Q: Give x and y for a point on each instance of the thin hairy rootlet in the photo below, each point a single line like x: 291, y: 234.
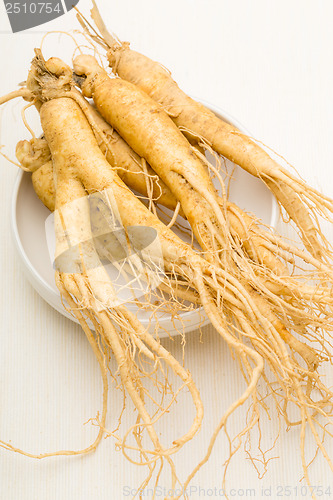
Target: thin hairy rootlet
x: 247, y: 325
x: 302, y: 202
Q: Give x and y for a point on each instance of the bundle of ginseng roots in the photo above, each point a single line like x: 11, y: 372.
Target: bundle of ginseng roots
x: 106, y: 138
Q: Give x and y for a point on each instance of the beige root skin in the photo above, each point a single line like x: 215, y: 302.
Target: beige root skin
x: 224, y: 139
x: 128, y: 167
x: 81, y: 294
x: 151, y: 133
x: 33, y: 154
x: 43, y: 184
x: 100, y: 356
x: 128, y: 164
x: 301, y: 202
x: 35, y: 157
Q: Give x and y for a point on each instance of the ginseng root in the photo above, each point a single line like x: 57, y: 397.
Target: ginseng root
x: 258, y: 338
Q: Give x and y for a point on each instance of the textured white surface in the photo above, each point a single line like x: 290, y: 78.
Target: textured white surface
x: 268, y: 63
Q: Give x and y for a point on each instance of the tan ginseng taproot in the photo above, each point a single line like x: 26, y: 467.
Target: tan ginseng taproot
x: 302, y: 202
x: 238, y: 317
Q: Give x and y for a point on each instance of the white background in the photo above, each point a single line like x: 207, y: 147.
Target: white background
x: 268, y: 63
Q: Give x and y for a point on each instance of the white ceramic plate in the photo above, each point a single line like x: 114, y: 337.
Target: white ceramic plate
x: 28, y: 225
